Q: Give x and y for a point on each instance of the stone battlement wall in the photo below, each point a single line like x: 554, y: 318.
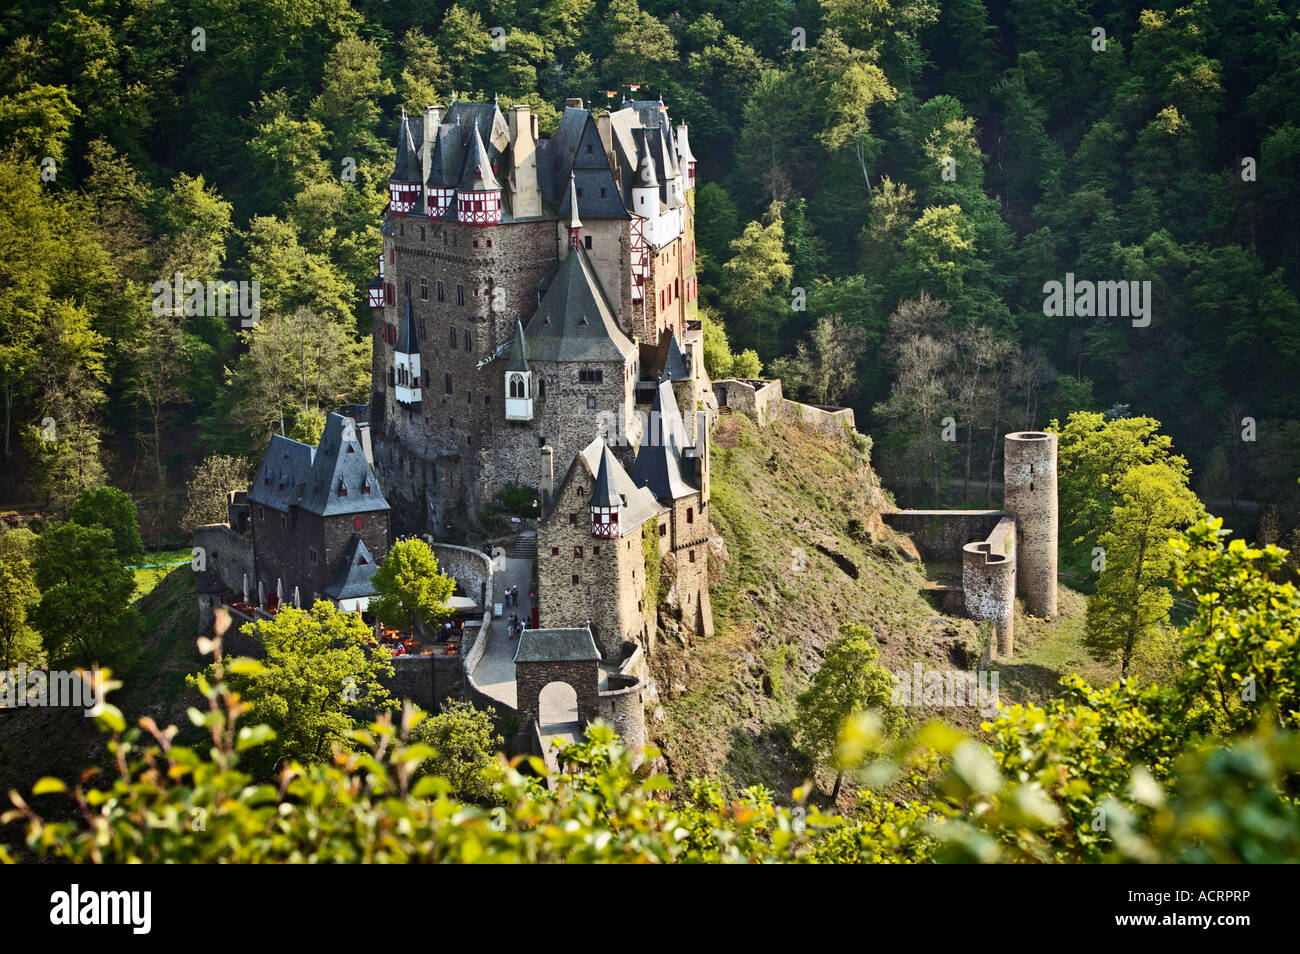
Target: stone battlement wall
x: 942, y: 534
x: 228, y: 554
x: 470, y: 568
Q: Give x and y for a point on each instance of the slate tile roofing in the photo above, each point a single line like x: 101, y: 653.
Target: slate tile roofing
x: 359, y: 568
x: 330, y: 479
x: 557, y: 645
x: 660, y: 463
x: 575, y: 321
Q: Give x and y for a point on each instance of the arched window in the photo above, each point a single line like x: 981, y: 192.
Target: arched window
x: 516, y: 385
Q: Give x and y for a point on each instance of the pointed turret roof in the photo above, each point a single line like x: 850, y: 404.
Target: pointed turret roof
x: 574, y: 221
x: 659, y: 465
x: 407, y: 167
x: 448, y: 157
x: 646, y: 177
x: 407, y: 341
x: 478, y: 175
x: 517, y: 356
x: 575, y: 322
x: 603, y: 495
x: 356, y: 577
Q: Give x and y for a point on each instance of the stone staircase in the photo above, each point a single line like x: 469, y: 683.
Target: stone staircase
x: 524, y: 546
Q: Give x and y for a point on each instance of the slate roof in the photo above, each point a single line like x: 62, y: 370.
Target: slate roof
x: 407, y: 341
x: 639, y: 504
x: 407, y: 167
x: 477, y: 176
x: 517, y: 356
x: 448, y: 157
x: 575, y: 322
x: 557, y: 645
x: 664, y: 360
x: 660, y: 464
x: 292, y: 474
x: 603, y: 495
x: 355, y: 579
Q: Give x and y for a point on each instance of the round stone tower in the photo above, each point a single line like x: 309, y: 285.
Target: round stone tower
x: 1029, y: 497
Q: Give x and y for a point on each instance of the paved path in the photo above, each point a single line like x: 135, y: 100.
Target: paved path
x: 495, y: 673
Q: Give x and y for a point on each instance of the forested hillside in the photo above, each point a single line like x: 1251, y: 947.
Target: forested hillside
x: 909, y: 175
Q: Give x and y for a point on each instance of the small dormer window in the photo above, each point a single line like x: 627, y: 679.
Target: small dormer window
x: 362, y: 561
x: 351, y: 449
x: 343, y: 489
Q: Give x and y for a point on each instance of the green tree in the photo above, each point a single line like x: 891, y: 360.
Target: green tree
x: 848, y: 681
x: 825, y: 368
x: 1094, y: 454
x: 756, y: 280
x: 115, y: 511
x: 321, y: 672
x: 410, y: 591
x: 464, y: 745
x: 19, y: 642
x: 85, y: 613
x: 1241, y: 651
x: 206, y: 493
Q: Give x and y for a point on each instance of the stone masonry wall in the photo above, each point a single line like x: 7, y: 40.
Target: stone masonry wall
x: 941, y: 534
x: 1029, y: 473
x: 988, y: 575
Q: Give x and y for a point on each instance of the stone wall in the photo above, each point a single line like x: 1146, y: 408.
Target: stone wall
x: 831, y: 421
x: 532, y: 677
x: 470, y: 568
x: 427, y: 681
x: 758, y: 399
x: 942, y: 534
x: 988, y: 576
x: 302, y: 549
x: 228, y: 554
x: 609, y: 592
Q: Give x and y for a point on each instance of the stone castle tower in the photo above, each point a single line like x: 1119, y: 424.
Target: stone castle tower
x: 1029, y: 498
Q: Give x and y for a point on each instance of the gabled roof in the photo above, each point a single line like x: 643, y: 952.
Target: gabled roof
x: 407, y: 167
x: 407, y: 341
x: 659, y: 462
x: 448, y: 157
x: 638, y: 503
x: 292, y: 474
x: 575, y: 322
x: 342, y: 479
x: 285, y: 469
x: 356, y: 577
x: 517, y: 356
x: 557, y: 645
x: 646, y: 176
x: 477, y: 175
x: 603, y: 495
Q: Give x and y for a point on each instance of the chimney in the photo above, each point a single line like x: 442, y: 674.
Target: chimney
x: 525, y: 196
x: 432, y: 117
x: 548, y: 475
x: 574, y: 101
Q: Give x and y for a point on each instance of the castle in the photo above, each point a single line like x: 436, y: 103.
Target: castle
x: 534, y: 327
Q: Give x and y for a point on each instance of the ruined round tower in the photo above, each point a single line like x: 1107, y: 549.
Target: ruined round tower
x: 1029, y: 497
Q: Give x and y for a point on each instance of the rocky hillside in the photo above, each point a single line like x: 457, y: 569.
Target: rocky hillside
x: 801, y: 549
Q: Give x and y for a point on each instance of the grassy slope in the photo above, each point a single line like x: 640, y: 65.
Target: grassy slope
x: 782, y: 497
x: 62, y: 742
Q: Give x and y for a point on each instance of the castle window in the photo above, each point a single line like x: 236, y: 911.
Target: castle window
x: 455, y: 240
x: 602, y: 193
x: 591, y: 406
x: 587, y: 241
x: 446, y: 380
x: 577, y: 553
x: 469, y: 397
x: 466, y: 338
x: 351, y: 449
x: 690, y: 515
x: 423, y: 329
x: 311, y: 556
x: 426, y: 377
x: 283, y: 522
x: 595, y: 551
x: 460, y: 294
x: 555, y: 551
x: 424, y: 289
x: 575, y: 579
x: 261, y: 512
x: 421, y: 233
x: 516, y: 385
x: 441, y: 294
x: 541, y: 388
x: 476, y: 243
x: 489, y: 241
x: 392, y: 256
x: 356, y: 523
x: 589, y: 149
x: 487, y: 399
x: 451, y: 336
x: 573, y: 519
x: 663, y: 529
x: 692, y: 556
